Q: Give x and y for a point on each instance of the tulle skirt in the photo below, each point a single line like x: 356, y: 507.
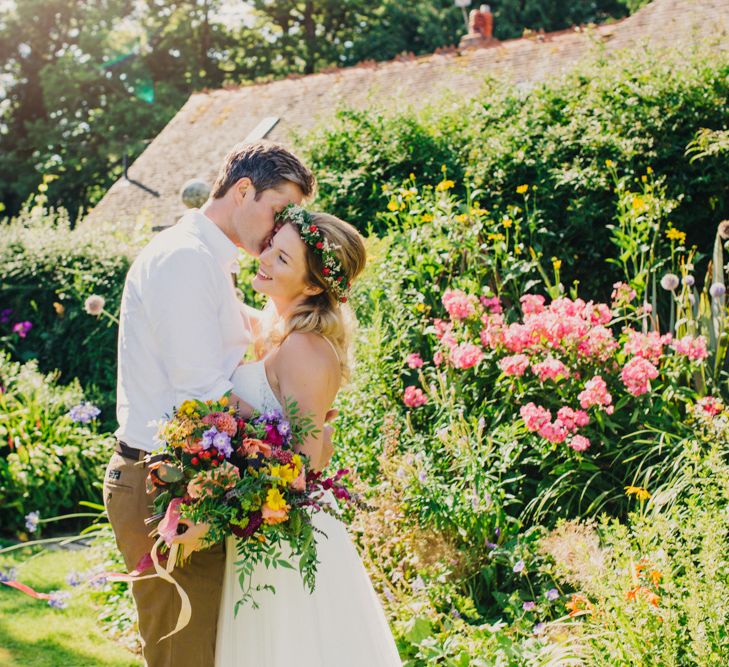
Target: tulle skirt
x: 341, y: 623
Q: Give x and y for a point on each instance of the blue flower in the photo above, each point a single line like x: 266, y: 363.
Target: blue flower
x: 83, y: 413
x: 31, y: 521
x: 8, y: 575
x: 74, y: 579
x: 58, y: 599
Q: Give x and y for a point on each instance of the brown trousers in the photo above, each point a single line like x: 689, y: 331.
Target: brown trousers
x: 158, y: 604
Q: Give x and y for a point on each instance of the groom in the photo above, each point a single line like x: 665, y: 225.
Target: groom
x: 181, y: 336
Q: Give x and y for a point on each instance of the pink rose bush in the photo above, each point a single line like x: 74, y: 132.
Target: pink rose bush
x: 566, y: 365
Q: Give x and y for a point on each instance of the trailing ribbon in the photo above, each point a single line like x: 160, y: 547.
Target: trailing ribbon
x: 27, y: 590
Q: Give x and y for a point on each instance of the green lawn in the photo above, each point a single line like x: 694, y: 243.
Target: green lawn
x: 32, y: 634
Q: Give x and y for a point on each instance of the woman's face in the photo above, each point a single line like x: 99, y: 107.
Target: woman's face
x: 282, y: 269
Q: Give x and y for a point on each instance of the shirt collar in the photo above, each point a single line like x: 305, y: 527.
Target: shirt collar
x: 223, y: 249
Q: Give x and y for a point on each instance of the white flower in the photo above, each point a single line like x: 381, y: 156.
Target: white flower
x: 94, y: 304
x: 670, y: 282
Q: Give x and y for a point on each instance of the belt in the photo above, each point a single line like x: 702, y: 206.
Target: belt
x: 129, y: 452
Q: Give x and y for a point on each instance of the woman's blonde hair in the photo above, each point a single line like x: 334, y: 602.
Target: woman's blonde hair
x: 323, y: 313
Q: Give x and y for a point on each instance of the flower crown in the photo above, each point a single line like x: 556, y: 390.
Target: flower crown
x: 332, y: 270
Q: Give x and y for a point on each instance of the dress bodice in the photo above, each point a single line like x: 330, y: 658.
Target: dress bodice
x: 251, y: 384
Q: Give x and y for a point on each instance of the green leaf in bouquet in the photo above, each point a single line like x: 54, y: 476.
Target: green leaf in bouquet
x: 169, y: 473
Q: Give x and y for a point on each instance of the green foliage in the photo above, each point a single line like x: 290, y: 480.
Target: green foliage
x: 637, y: 110
x: 47, y: 273
x: 48, y: 463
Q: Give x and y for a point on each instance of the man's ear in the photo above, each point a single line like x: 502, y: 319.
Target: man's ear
x: 241, y: 187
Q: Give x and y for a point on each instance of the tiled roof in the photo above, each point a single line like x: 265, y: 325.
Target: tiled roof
x: 195, y: 141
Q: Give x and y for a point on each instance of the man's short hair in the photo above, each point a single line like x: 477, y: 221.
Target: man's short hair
x: 267, y: 164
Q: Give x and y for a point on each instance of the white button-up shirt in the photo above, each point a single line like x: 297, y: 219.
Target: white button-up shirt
x: 181, y: 330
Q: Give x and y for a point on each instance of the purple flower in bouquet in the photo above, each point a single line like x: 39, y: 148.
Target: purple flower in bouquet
x: 83, y: 413
x: 22, y: 328
x: 222, y: 443
x: 255, y: 519
x: 284, y: 428
x: 209, y: 437
x: 5, y: 315
x: 58, y: 599
x: 31, y: 521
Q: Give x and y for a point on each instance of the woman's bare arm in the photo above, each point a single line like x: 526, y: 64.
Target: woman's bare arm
x: 308, y: 373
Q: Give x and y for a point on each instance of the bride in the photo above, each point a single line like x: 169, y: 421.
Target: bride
x: 306, y: 272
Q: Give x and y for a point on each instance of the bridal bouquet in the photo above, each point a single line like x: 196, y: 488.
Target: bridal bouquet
x: 242, y: 478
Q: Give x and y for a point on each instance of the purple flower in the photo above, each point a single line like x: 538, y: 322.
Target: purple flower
x: 284, y: 428
x: 83, y: 413
x: 422, y: 476
x: 222, y: 443
x: 5, y: 315
x: 529, y: 605
x: 552, y: 594
x: 209, y: 437
x: 58, y: 599
x: 8, y: 575
x: 539, y: 628
x: 22, y: 328
x: 519, y: 567
x: 717, y: 290
x: 455, y: 613
x: 74, y: 579
x: 491, y: 545
x: 31, y: 521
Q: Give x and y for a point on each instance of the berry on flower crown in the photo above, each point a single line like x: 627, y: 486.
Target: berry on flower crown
x: 332, y: 270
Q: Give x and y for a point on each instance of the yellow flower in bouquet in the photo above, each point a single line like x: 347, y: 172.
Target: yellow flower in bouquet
x: 275, y: 510
x: 286, y: 473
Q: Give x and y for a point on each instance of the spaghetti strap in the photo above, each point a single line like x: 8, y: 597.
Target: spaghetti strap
x: 336, y: 354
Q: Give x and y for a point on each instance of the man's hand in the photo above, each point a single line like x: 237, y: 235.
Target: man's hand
x: 193, y: 539
x: 327, y: 450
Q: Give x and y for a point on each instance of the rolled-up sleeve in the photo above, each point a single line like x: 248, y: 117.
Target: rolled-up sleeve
x: 182, y: 299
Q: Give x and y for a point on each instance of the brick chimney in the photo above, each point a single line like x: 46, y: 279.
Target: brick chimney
x: 480, y: 28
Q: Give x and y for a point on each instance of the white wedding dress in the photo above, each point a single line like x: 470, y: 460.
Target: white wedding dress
x: 340, y: 623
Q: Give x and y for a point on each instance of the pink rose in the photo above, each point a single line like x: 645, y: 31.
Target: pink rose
x: 414, y: 360
x: 414, y: 397
x: 272, y: 516
x: 299, y: 484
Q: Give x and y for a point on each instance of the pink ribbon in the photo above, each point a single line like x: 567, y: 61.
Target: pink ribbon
x: 27, y: 590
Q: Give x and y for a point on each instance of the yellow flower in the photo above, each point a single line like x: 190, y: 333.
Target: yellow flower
x: 223, y: 401
x: 420, y: 307
x: 649, y: 170
x: 638, y: 491
x: 638, y: 203
x: 644, y: 178
x: 675, y: 235
x: 2, y: 207
x: 275, y: 500
x: 556, y: 263
x: 43, y: 187
x: 412, y: 176
x: 609, y: 163
x: 286, y: 473
x: 517, y: 250
x: 461, y: 218
x: 477, y: 210
x: 444, y: 185
x: 426, y: 217
x: 507, y: 222
x: 58, y: 307
x: 443, y: 168
x: 392, y: 205
x: 521, y: 189
x: 188, y: 408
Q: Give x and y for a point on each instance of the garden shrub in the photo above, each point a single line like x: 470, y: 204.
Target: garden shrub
x: 638, y: 110
x: 50, y: 456
x: 46, y: 272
